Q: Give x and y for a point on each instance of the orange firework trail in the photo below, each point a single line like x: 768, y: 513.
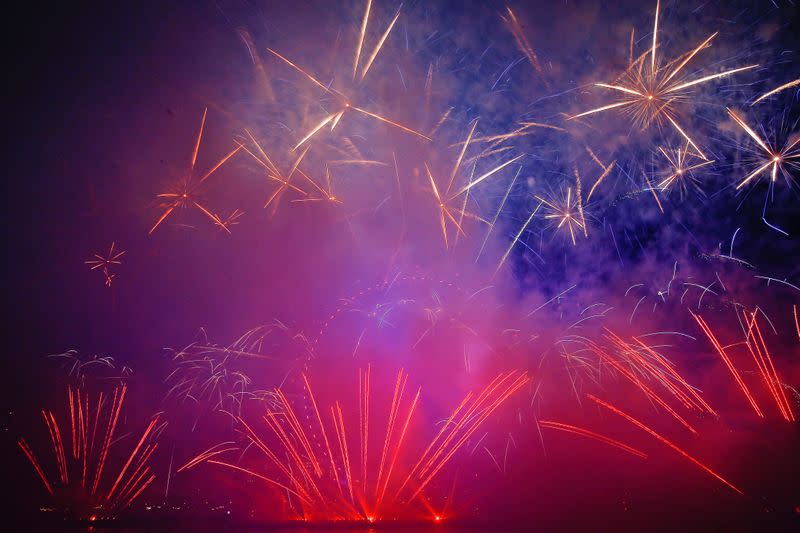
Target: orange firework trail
x: 592, y: 435
x: 652, y: 94
x: 654, y: 193
x: 92, y: 433
x: 326, y: 477
x: 516, y: 237
x: 785, y: 86
x: 606, y: 171
x: 230, y: 220
x: 640, y: 425
x: 186, y: 193
x: 326, y: 193
x: 522, y: 41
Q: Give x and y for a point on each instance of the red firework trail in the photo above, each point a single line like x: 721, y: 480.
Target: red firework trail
x: 631, y: 376
x: 92, y: 432
x: 592, y: 435
x: 640, y: 425
x: 325, y: 477
x: 650, y: 362
x: 758, y: 349
x: 727, y: 360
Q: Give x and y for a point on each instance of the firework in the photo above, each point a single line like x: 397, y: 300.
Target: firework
x: 230, y: 220
x: 105, y: 263
x: 517, y: 237
x: 728, y: 363
x: 565, y: 213
x: 652, y: 91
x: 80, y: 367
x: 83, y: 448
x: 445, y: 196
x: 663, y: 440
x: 631, y: 361
x: 274, y: 174
x: 219, y: 378
x: 757, y: 348
x: 325, y: 476
x: 522, y: 41
x: 326, y: 193
x: 776, y: 90
x: 568, y: 213
x: 364, y: 449
x: 770, y: 161
x: 592, y: 435
x: 344, y: 102
x: 188, y: 191
x: 682, y: 164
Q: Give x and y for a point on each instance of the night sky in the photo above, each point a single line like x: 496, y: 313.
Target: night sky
x: 556, y: 235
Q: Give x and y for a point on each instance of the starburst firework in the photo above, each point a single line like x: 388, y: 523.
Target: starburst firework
x: 187, y: 192
x: 652, y: 91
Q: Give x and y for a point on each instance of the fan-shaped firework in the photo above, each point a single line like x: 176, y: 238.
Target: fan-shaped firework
x: 326, y: 477
x: 85, y: 450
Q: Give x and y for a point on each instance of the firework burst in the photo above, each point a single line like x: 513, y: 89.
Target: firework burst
x: 274, y: 174
x: 565, y: 213
x: 682, y: 164
x: 106, y: 262
x: 769, y: 160
x: 187, y: 193
x: 454, y: 214
x: 652, y: 90
x: 344, y: 98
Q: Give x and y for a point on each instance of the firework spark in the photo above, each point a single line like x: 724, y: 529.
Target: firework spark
x: 326, y: 193
x: 728, y: 363
x: 522, y: 41
x: 444, y: 198
x: 592, y: 435
x: 758, y: 349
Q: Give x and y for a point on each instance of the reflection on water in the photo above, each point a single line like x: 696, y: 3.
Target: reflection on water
x: 230, y: 526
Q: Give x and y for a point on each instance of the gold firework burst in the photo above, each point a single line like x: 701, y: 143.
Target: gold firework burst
x: 769, y: 160
x: 652, y: 91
